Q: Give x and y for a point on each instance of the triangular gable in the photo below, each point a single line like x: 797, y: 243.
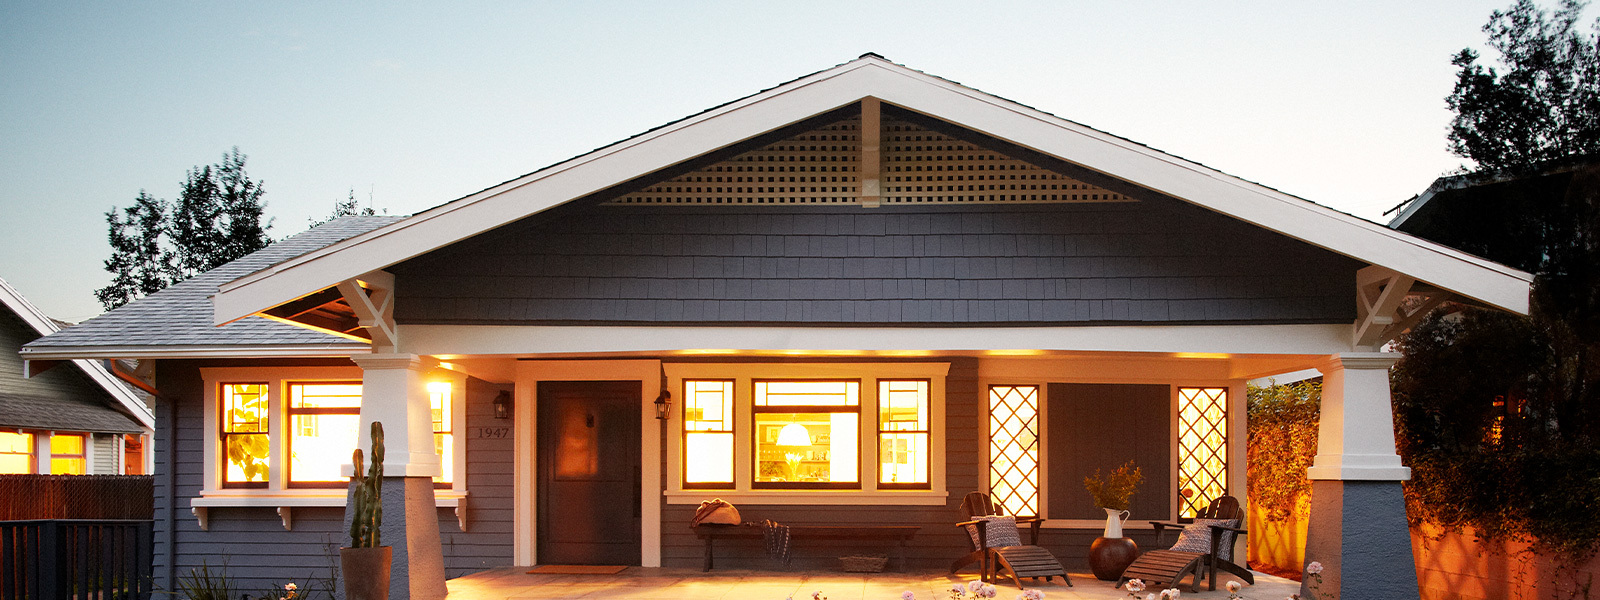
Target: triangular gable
x: 1103, y: 156
x: 97, y: 372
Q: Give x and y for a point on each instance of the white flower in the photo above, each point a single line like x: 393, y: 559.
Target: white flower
x: 290, y: 586
x: 1314, y: 568
x: 1031, y: 595
x: 907, y: 595
x: 976, y: 586
x: 1134, y: 586
x: 1232, y: 587
x: 1170, y: 594
x: 958, y: 589
x: 988, y: 591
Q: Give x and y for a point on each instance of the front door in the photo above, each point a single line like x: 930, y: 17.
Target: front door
x: 588, y: 464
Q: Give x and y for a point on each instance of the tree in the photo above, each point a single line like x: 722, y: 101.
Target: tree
x: 1545, y: 105
x: 349, y: 207
x: 216, y: 219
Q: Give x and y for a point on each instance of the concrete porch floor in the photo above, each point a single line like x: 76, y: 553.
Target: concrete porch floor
x: 639, y: 583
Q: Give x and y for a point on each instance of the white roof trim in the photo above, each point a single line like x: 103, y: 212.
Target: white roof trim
x: 1443, y: 267
x: 43, y: 325
x: 154, y: 352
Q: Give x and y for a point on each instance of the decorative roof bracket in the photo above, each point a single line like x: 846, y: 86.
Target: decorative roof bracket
x: 371, y: 296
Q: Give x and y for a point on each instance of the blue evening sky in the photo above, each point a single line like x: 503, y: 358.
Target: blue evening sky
x: 415, y: 104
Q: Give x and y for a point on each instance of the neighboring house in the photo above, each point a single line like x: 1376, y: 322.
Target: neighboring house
x: 73, y: 420
x: 852, y: 298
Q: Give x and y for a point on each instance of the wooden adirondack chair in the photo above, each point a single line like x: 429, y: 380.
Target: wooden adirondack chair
x: 1158, y: 567
x: 1019, y: 561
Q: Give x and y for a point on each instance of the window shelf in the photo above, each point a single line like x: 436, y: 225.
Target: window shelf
x: 285, y: 503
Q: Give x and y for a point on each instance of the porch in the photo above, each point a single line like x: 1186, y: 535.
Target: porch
x: 678, y: 583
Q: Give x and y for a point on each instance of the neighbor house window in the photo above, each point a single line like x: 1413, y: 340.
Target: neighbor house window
x: 1014, y: 448
x: 16, y: 453
x: 707, y: 433
x: 807, y: 433
x: 443, y: 431
x: 902, y: 434
x: 246, y: 447
x: 68, y: 454
x: 324, y: 419
x: 1202, y: 447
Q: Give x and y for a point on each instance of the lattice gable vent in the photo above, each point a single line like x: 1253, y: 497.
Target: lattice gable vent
x: 823, y: 166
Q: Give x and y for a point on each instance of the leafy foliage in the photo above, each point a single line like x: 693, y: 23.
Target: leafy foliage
x: 1116, y: 490
x: 202, y: 584
x: 349, y: 207
x: 216, y: 219
x: 1543, y: 105
x: 1282, y: 443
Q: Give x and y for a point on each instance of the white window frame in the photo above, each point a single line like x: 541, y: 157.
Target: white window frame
x: 868, y: 373
x: 277, y: 493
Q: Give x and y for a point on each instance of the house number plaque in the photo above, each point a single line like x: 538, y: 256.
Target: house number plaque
x: 493, y: 433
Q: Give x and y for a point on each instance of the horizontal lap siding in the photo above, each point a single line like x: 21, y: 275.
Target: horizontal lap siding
x: 252, y: 543
x: 1156, y: 261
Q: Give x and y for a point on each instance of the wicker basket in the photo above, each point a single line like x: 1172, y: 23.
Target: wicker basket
x: 865, y: 563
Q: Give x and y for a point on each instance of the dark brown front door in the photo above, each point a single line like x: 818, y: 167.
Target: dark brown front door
x: 588, y: 473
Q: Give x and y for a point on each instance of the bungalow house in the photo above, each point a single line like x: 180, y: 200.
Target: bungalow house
x: 848, y: 299
x: 80, y: 420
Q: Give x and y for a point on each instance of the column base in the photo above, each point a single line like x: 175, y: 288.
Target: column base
x: 1358, y: 532
x: 411, y: 528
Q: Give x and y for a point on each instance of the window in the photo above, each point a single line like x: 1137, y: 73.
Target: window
x: 1202, y: 447
x: 807, y: 433
x: 708, y: 434
x: 903, y: 434
x: 68, y: 454
x: 245, y: 443
x: 133, y: 454
x: 444, y: 439
x: 324, y: 420
x: 16, y: 453
x: 1014, y: 448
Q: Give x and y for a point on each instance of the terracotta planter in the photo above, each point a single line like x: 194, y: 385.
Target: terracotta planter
x: 1109, y: 556
x: 366, y: 572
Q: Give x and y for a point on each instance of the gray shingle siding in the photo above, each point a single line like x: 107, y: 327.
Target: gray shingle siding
x: 258, y: 552
x: 1155, y: 261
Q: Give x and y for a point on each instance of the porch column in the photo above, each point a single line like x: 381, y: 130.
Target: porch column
x: 394, y: 391
x: 1358, y: 525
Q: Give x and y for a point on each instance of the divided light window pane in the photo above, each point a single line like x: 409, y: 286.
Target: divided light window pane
x: 1202, y: 447
x: 16, y: 453
x: 444, y: 443
x: 67, y: 455
x: 903, y: 433
x: 244, y: 434
x: 1014, y: 448
x: 807, y: 433
x: 708, y: 433
x: 323, y: 423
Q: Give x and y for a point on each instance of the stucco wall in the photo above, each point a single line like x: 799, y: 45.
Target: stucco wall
x: 1458, y: 566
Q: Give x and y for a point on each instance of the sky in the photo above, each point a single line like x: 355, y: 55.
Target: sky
x: 412, y: 105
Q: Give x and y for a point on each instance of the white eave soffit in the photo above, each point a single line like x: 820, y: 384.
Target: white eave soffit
x: 1463, y: 274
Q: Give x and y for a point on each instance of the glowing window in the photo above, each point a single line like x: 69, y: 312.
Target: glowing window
x: 1014, y: 448
x: 323, y: 422
x: 708, y: 434
x: 807, y: 433
x: 67, y: 455
x: 16, y: 453
x: 244, y: 434
x: 903, y: 434
x: 1202, y: 447
x: 444, y: 443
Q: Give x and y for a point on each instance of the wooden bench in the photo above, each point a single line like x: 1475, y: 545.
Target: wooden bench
x: 900, y: 534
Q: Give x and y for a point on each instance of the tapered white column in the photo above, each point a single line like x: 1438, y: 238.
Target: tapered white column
x: 1358, y: 529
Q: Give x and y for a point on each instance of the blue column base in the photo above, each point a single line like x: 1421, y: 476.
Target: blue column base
x: 1358, y: 532
x: 411, y: 528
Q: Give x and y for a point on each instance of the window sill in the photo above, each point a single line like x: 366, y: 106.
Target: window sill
x: 285, y: 501
x: 827, y: 497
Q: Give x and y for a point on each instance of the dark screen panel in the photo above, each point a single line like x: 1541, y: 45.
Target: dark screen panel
x: 1101, y: 426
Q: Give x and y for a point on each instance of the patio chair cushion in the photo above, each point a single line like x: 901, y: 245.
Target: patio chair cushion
x: 1196, y: 537
x: 999, y: 531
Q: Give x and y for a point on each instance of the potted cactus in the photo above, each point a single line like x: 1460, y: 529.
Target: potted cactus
x: 366, y: 563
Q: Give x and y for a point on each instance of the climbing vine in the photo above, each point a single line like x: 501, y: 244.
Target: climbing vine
x: 1282, y: 443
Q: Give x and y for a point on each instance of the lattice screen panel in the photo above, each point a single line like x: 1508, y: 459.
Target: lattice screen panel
x: 1014, y: 448
x: 919, y: 166
x: 817, y: 167
x: 1202, y: 446
x: 922, y: 166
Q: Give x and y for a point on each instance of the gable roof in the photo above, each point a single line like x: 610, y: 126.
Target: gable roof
x: 905, y: 88
x: 22, y: 411
x: 175, y: 322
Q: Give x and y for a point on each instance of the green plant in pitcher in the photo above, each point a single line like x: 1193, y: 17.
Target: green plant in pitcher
x: 368, y: 495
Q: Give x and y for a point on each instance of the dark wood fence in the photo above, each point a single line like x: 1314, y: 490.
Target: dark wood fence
x: 82, y: 559
x: 76, y: 497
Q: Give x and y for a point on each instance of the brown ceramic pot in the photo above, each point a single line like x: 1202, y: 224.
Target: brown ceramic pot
x: 366, y: 572
x: 1109, y: 556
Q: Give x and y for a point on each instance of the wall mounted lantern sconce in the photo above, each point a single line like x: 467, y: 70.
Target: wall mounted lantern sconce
x: 502, y: 405
x: 663, y: 405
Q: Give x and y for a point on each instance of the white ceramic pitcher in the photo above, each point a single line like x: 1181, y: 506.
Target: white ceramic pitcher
x: 1114, y: 519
